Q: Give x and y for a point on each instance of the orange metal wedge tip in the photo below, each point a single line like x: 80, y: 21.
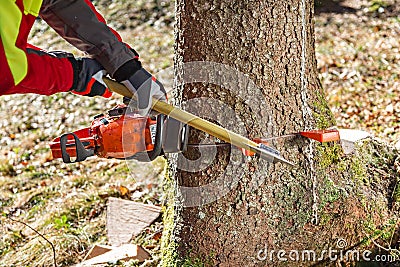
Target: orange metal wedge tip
x: 322, y: 135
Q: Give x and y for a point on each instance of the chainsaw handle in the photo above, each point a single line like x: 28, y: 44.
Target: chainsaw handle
x: 157, y: 150
x: 81, y: 152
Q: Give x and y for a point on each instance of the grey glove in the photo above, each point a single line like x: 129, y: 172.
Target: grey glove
x: 142, y: 84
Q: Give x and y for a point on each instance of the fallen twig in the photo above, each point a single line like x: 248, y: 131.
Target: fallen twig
x: 42, y: 236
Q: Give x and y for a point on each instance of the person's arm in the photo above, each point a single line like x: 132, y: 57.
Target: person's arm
x: 28, y: 69
x: 80, y: 24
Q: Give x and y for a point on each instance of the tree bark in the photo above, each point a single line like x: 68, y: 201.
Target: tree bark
x: 250, y: 66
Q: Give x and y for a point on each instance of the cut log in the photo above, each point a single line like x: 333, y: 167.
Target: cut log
x: 126, y: 219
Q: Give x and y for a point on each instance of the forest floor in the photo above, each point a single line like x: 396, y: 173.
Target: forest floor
x: 357, y: 48
x: 358, y: 56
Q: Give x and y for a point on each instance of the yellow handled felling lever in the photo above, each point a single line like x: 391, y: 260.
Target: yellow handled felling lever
x: 203, y: 125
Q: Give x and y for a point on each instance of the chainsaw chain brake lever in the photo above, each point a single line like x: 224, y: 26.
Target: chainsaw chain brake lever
x: 81, y: 152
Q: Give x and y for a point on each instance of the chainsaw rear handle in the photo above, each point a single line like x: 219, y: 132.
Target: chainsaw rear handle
x: 81, y: 152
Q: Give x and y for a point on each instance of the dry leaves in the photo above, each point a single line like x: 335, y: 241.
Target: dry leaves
x: 359, y: 64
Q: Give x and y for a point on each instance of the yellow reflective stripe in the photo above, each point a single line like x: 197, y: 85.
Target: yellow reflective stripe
x: 32, y: 7
x: 10, y: 21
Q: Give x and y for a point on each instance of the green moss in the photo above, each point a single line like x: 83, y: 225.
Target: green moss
x: 384, y: 234
x: 329, y: 193
x: 358, y: 170
x: 193, y: 260
x: 396, y: 192
x: 7, y: 169
x: 342, y: 166
x: 193, y: 263
x: 325, y: 218
x: 198, y: 261
x: 169, y: 254
x: 322, y: 113
x: 376, y: 5
x: 330, y: 159
x: 328, y: 154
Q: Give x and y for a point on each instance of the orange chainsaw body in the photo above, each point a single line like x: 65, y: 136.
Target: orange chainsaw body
x: 121, y: 137
x: 108, y: 136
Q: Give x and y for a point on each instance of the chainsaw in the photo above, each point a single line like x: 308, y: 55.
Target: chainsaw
x: 123, y: 134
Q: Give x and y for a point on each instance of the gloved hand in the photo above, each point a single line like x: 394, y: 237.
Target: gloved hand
x: 88, y: 78
x: 142, y: 84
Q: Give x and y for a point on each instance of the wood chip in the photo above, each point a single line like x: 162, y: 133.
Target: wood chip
x: 97, y: 250
x: 123, y: 253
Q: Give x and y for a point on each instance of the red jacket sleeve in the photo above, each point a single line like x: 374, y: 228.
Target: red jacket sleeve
x: 80, y: 24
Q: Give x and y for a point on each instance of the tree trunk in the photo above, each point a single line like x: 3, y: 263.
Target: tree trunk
x: 250, y: 66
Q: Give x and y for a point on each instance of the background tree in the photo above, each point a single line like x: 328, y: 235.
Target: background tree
x: 266, y: 74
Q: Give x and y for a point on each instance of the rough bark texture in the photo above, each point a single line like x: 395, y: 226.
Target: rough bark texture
x: 259, y: 205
